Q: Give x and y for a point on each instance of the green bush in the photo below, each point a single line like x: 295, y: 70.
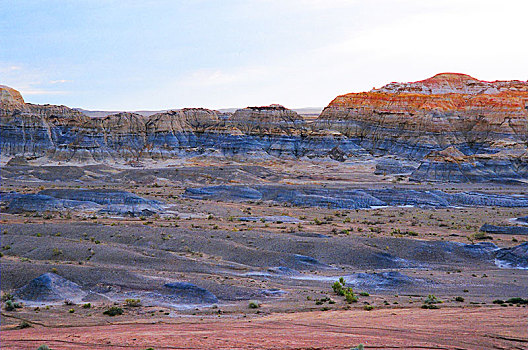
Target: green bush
x: 460, y: 299
x: 517, y: 300
x: 338, y: 288
x: 254, y: 304
x: 10, y: 305
x: 350, y: 297
x: 113, y: 311
x: 364, y: 294
x: 431, y: 299
x: 7, y: 296
x: 43, y: 347
x: 133, y: 302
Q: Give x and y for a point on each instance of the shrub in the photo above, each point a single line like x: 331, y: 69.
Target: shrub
x: 364, y: 294
x: 113, y: 311
x: 7, y: 296
x: 43, y: 347
x: 431, y: 299
x: 133, y: 302
x: 10, y: 305
x: 254, y: 304
x: 429, y: 306
x: 87, y: 306
x: 338, y: 288
x: 460, y: 299
x: 368, y: 307
x: 498, y: 301
x: 517, y: 300
x: 359, y: 347
x: 24, y: 324
x: 71, y: 311
x: 350, y: 297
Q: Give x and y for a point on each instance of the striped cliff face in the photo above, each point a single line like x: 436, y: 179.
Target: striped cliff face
x: 457, y: 128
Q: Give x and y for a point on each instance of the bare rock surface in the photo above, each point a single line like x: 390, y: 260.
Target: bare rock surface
x: 51, y: 287
x: 185, y: 292
x: 505, y: 230
x: 515, y: 257
x: 353, y: 198
x: 101, y: 200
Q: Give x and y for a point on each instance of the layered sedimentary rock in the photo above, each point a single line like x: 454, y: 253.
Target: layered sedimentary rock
x: 460, y: 128
x: 65, y: 134
x: 450, y: 127
x: 350, y: 198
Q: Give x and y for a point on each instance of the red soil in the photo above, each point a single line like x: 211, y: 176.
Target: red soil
x: 445, y: 328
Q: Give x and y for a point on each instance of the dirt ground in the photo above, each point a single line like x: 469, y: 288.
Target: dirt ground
x: 447, y: 328
x: 205, y: 243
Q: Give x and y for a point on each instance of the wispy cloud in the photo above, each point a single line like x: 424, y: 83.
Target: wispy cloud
x: 30, y: 81
x: 60, y: 81
x: 29, y: 92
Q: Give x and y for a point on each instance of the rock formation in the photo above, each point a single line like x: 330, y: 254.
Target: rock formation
x: 51, y: 287
x: 188, y: 293
x: 350, y: 198
x: 460, y: 128
x: 450, y: 127
x: 100, y: 200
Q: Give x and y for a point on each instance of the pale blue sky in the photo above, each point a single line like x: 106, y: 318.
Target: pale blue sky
x: 130, y: 55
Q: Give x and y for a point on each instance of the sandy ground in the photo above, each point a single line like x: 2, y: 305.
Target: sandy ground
x: 447, y: 328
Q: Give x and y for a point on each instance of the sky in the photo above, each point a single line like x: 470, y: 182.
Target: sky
x: 161, y: 54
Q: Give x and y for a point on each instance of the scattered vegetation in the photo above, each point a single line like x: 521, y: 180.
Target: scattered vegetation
x: 133, y: 302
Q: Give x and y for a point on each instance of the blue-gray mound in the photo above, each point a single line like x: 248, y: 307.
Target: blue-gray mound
x: 381, y: 280
x: 514, y: 257
x: 505, y: 230
x: 50, y: 287
x: 188, y: 293
x: 101, y: 200
x: 343, y: 198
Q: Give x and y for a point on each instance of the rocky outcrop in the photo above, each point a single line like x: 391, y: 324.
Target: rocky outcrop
x: 58, y: 200
x: 63, y: 134
x: 514, y: 257
x: 450, y: 127
x: 273, y: 119
x: 460, y: 128
x: 51, y: 287
x: 188, y: 293
x: 505, y: 230
x: 349, y: 198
